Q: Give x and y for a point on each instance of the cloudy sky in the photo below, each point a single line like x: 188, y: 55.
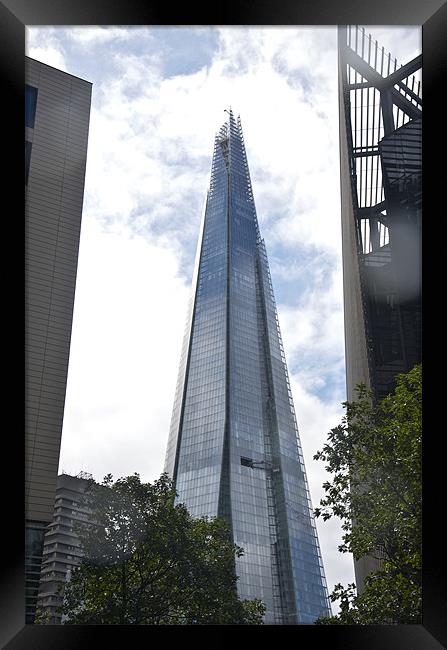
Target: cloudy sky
x: 159, y: 96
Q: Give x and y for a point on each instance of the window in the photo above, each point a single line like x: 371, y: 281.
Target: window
x: 30, y: 105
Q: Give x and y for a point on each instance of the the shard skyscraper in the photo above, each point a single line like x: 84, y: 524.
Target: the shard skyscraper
x: 234, y: 448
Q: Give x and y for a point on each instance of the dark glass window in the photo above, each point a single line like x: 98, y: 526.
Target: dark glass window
x: 28, y: 146
x: 30, y: 105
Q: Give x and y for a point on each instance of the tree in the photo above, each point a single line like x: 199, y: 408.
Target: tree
x: 42, y: 617
x: 374, y: 456
x: 148, y: 561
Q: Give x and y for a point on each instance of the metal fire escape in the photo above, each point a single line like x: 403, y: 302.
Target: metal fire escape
x: 383, y: 116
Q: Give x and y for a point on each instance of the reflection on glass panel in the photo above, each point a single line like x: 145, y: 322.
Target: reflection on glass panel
x: 234, y: 447
x: 30, y: 105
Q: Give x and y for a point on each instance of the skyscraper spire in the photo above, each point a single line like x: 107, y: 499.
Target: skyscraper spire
x: 234, y: 448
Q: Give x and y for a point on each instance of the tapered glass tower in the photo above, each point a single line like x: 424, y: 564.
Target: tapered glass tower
x: 234, y: 448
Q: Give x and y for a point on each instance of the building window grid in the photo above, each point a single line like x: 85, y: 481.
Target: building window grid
x: 202, y: 402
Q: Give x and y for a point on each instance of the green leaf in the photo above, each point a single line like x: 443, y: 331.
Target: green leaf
x: 374, y: 456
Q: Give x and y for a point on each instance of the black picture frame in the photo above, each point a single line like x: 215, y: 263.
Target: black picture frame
x: 432, y: 15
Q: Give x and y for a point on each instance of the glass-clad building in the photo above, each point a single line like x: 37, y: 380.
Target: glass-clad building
x: 234, y: 449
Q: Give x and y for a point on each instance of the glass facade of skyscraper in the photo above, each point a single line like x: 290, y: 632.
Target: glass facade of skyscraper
x: 234, y: 448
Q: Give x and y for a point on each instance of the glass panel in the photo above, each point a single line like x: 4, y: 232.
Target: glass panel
x: 233, y: 433
x: 30, y: 105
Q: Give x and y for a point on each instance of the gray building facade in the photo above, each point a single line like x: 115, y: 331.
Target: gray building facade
x: 380, y: 108
x: 57, y: 112
x: 62, y: 551
x: 234, y: 448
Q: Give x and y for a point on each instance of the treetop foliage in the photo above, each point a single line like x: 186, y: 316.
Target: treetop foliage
x: 374, y: 456
x: 148, y: 561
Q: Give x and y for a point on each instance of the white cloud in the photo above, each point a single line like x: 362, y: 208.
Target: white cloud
x: 93, y: 36
x: 315, y: 327
x: 125, y: 344
x: 44, y: 46
x: 403, y: 43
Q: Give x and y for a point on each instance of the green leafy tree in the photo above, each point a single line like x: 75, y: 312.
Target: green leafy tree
x: 148, y: 561
x: 374, y: 456
x: 42, y: 617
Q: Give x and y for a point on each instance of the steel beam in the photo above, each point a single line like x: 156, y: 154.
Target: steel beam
x: 405, y: 71
x: 381, y: 83
x: 365, y: 213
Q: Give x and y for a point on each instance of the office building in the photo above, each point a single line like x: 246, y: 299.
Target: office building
x: 57, y: 109
x: 381, y: 163
x: 234, y: 449
x: 61, y: 550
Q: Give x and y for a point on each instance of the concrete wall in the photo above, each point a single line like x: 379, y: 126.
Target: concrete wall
x: 357, y: 367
